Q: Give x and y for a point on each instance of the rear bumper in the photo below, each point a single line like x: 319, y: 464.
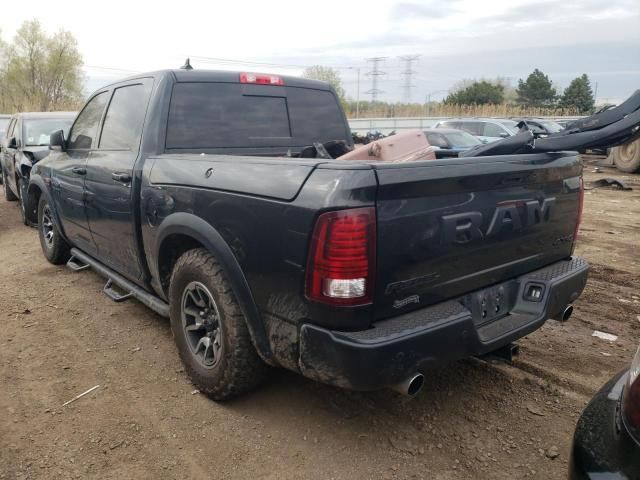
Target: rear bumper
x: 398, y: 347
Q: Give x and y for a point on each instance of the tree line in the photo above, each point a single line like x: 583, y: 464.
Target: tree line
x: 40, y: 71
x: 536, y: 91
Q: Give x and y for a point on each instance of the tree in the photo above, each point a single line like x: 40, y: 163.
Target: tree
x: 329, y: 75
x: 41, y: 72
x: 536, y: 91
x: 578, y: 95
x: 478, y: 93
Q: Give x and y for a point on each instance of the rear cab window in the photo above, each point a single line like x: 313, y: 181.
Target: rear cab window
x: 216, y: 115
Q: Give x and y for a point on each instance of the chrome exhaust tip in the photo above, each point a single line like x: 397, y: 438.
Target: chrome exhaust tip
x: 565, y: 314
x: 411, y: 386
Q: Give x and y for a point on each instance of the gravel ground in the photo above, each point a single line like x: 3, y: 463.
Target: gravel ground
x: 60, y: 336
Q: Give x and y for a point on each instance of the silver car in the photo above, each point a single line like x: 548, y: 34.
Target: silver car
x: 486, y: 129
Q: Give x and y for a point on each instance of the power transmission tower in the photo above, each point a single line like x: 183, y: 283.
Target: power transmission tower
x: 375, y: 73
x: 408, y: 72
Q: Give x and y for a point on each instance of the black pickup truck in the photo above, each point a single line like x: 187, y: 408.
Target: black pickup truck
x: 188, y: 190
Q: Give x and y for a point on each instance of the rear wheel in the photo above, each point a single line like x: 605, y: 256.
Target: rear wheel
x: 210, y: 330
x: 54, y: 247
x: 627, y: 157
x: 8, y: 194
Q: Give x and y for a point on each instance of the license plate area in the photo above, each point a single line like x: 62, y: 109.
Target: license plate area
x: 493, y: 303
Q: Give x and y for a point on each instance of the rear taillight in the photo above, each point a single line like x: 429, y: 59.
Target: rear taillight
x: 261, y: 79
x: 631, y: 398
x: 341, y: 263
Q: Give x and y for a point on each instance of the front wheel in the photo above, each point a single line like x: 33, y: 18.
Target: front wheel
x: 54, y: 247
x: 8, y: 194
x: 22, y: 188
x: 210, y: 330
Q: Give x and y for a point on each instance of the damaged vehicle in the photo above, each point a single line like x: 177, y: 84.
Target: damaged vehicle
x: 450, y: 142
x: 194, y: 192
x: 27, y: 143
x: 606, y: 443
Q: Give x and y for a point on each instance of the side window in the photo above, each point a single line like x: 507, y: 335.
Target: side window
x: 11, y: 128
x: 491, y: 130
x: 437, y: 140
x: 125, y: 117
x: 474, y: 128
x: 85, y: 128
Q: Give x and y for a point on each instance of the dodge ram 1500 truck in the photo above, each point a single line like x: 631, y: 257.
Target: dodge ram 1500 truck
x: 187, y: 190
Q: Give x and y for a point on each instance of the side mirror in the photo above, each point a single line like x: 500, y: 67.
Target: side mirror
x: 504, y: 135
x: 57, y: 141
x: 13, y: 143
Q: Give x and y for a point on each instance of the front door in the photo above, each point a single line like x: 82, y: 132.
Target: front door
x: 70, y: 168
x: 110, y: 179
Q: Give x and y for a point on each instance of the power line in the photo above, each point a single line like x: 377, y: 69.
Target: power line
x: 375, y: 73
x: 407, y: 73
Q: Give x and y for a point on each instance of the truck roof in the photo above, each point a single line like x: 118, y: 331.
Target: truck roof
x: 181, y: 75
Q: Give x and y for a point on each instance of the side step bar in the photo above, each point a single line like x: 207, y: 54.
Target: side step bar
x: 80, y: 261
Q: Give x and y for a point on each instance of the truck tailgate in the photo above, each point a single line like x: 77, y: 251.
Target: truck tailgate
x: 449, y: 227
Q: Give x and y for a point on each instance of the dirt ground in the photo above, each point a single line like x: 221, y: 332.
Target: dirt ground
x: 59, y: 336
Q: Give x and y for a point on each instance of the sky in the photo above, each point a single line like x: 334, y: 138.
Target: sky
x: 455, y: 40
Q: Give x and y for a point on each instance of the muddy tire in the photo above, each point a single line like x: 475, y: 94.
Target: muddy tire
x: 54, y: 247
x: 22, y: 188
x: 626, y: 157
x: 210, y: 330
x: 8, y: 194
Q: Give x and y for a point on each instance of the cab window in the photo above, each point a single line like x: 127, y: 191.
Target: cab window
x: 85, y: 128
x: 123, y: 123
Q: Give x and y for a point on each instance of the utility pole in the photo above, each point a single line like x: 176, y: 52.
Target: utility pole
x: 408, y: 72
x: 374, y: 74
x: 358, y: 94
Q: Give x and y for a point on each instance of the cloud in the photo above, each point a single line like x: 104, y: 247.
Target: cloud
x: 553, y: 11
x: 421, y: 11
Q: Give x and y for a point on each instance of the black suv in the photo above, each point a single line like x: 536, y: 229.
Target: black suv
x: 27, y: 142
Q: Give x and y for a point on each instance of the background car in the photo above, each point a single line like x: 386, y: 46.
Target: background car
x: 450, y: 142
x: 606, y: 443
x: 486, y: 129
x: 541, y: 127
x: 4, y: 123
x: 27, y: 142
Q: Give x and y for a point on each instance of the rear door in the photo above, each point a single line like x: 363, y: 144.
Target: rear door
x: 69, y: 170
x: 453, y: 226
x: 110, y: 177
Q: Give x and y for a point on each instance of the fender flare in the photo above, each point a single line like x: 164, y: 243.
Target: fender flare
x: 38, y: 181
x: 182, y: 223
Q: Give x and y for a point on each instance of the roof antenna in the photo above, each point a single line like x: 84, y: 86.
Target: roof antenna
x: 187, y: 65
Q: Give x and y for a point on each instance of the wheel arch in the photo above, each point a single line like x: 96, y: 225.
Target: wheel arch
x: 181, y: 232
x: 35, y: 191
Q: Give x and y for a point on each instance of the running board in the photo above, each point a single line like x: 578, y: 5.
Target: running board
x: 113, y: 294
x: 76, y: 266
x: 114, y: 278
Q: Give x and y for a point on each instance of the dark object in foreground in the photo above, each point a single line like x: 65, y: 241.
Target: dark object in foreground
x: 606, y: 443
x: 602, y: 130
x: 610, y: 182
x: 187, y: 190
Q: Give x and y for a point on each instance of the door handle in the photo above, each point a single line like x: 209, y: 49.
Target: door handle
x: 121, y: 177
x: 79, y: 170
